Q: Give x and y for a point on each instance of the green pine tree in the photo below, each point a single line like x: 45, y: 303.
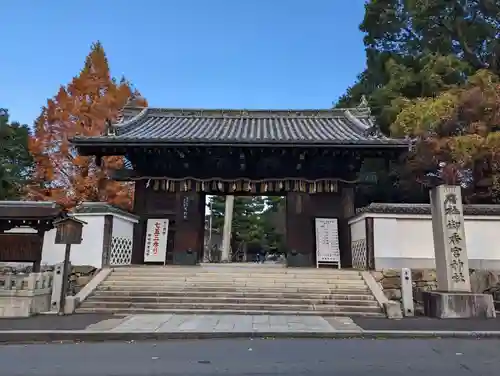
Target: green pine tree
x: 16, y: 162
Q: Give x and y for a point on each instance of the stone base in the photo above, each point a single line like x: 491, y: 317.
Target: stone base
x: 185, y: 258
x: 294, y: 259
x: 458, y: 305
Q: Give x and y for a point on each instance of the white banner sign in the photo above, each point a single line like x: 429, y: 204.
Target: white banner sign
x: 155, y: 249
x: 327, y: 240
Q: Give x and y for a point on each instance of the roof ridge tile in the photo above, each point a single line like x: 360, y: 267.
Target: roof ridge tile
x: 321, y: 126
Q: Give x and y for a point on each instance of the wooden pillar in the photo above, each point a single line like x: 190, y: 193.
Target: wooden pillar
x: 140, y: 227
x: 189, y: 222
x: 370, y: 245
x: 348, y: 211
x: 299, y: 230
x: 107, y: 239
x: 38, y: 262
x: 36, y: 266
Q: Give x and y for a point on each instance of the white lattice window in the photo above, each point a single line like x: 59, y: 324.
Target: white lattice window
x: 121, y: 251
x: 358, y: 248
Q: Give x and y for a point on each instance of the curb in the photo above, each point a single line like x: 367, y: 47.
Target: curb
x: 28, y: 336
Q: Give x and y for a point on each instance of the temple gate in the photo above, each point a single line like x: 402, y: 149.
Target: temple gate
x: 176, y: 157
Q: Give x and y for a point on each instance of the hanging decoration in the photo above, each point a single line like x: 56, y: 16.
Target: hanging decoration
x: 228, y: 186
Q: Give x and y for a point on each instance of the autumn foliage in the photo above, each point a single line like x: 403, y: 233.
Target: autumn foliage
x: 457, y: 136
x: 80, y: 108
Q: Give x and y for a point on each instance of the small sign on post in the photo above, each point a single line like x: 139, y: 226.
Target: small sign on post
x: 68, y: 231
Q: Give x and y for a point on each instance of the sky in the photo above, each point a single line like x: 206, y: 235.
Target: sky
x: 245, y: 54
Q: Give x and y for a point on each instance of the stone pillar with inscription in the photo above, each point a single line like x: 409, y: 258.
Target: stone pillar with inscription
x: 450, y: 248
x: 453, y: 299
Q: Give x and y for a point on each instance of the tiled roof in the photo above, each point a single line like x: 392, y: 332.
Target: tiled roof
x: 29, y: 209
x: 101, y: 208
x: 380, y: 208
x: 160, y: 125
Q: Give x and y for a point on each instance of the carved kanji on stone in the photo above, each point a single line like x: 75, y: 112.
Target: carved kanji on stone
x: 453, y: 224
x: 455, y: 238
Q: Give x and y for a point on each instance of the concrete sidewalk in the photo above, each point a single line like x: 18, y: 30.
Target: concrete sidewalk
x: 177, y: 326
x: 173, y: 323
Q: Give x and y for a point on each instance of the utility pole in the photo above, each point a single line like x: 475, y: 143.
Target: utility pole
x: 226, y: 236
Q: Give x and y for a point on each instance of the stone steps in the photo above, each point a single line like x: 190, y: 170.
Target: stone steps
x: 232, y: 288
x: 231, y: 306
x: 232, y: 300
x: 227, y: 289
x: 228, y: 270
x: 270, y: 305
x: 277, y: 291
x: 236, y: 278
x: 195, y: 294
x: 245, y: 272
x: 235, y: 285
x: 128, y: 311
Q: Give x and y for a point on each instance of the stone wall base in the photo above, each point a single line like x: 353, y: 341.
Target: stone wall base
x: 25, y: 306
x: 458, y: 305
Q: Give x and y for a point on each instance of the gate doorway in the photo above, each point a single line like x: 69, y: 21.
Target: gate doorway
x: 258, y: 228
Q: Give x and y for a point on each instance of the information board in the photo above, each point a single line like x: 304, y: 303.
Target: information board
x: 327, y: 241
x: 155, y: 247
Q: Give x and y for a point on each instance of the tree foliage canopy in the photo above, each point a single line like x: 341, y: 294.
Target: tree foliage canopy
x: 458, y: 135
x: 80, y: 108
x: 15, y: 159
x: 427, y: 62
x: 418, y: 48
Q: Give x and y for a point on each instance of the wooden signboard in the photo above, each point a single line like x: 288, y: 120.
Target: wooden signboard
x: 155, y: 247
x: 327, y: 241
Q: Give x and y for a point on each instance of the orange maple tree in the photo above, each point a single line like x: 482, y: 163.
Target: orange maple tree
x: 80, y: 108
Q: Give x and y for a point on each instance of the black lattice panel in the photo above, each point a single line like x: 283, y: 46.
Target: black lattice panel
x: 121, y: 251
x: 358, y: 248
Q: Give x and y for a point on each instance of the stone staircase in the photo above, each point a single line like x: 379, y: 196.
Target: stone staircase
x: 233, y: 289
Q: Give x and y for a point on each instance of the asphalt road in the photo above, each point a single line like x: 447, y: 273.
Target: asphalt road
x: 256, y: 357
x: 426, y: 323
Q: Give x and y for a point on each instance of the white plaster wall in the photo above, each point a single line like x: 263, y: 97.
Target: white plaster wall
x: 406, y: 241
x: 123, y: 227
x: 386, y: 239
x: 87, y: 253
x: 358, y: 230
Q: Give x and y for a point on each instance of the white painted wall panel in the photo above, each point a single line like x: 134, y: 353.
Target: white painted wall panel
x: 405, y: 240
x: 87, y: 253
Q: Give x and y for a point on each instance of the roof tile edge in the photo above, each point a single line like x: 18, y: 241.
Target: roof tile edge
x: 252, y: 113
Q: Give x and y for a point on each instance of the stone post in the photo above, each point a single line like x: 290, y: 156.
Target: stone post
x: 453, y: 298
x: 226, y: 236
x: 450, y: 248
x: 407, y: 292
